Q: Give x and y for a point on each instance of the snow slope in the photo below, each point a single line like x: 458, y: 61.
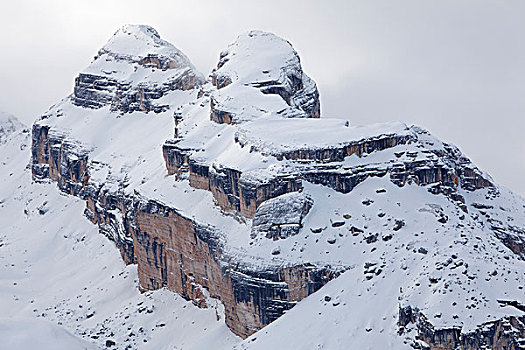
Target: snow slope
x: 455, y: 272
x: 60, y: 280
x: 33, y: 333
x: 8, y: 125
x: 402, y: 244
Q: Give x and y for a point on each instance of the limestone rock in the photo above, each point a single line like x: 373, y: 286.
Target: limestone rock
x: 133, y: 70
x: 506, y: 333
x: 282, y: 216
x: 259, y: 64
x: 183, y: 211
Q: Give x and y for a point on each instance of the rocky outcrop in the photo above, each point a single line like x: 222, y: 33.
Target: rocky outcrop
x: 447, y: 172
x: 257, y: 158
x: 114, y: 215
x: 58, y: 159
x: 279, y: 72
x: 445, y: 169
x: 340, y: 152
x: 176, y: 158
x: 243, y: 195
x: 232, y: 191
x: 282, y: 216
x: 94, y: 91
x: 129, y: 82
x: 513, y: 237
x: 176, y: 252
x: 504, y: 334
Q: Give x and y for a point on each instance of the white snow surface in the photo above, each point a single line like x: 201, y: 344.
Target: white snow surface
x: 38, y: 333
x: 8, y: 125
x: 131, y: 44
x: 257, y: 58
x: 273, y: 136
x: 473, y: 268
x: 64, y: 286
x: 363, y: 312
x: 139, y: 41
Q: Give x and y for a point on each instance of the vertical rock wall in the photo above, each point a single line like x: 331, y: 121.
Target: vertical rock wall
x: 176, y: 252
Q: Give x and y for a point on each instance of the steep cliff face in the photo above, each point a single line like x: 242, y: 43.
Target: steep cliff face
x: 189, y: 258
x: 263, y: 203
x: 65, y: 286
x: 506, y: 333
x: 171, y: 249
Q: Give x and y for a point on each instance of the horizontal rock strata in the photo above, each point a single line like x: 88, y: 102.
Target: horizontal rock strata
x: 174, y: 251
x: 504, y: 334
x: 251, y: 138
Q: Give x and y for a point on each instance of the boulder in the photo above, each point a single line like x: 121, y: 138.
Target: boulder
x: 282, y: 216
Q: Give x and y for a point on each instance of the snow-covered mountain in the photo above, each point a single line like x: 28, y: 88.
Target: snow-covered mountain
x: 235, y: 194
x: 9, y: 124
x: 65, y: 286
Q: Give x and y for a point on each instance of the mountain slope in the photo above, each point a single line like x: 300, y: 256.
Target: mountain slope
x: 62, y: 281
x: 454, y: 270
x: 234, y: 194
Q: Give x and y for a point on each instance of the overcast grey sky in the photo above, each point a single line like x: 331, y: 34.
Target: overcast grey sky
x: 455, y: 67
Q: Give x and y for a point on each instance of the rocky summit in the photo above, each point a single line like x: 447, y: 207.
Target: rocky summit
x: 233, y: 190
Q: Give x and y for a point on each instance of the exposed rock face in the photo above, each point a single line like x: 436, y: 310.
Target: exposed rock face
x: 58, y: 159
x: 414, y: 157
x: 279, y: 72
x: 446, y: 169
x: 175, y: 158
x: 241, y: 195
x: 282, y: 216
x: 133, y: 70
x: 175, y: 252
x: 264, y: 155
x: 186, y: 257
x: 115, y: 217
x: 503, y: 334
